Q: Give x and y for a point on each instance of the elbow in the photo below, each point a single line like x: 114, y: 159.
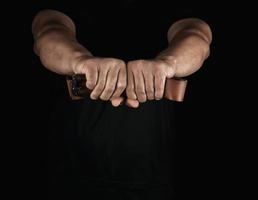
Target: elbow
x: 201, y: 28
x: 41, y: 18
x: 194, y: 26
x: 199, y: 42
x: 49, y: 36
x: 207, y: 52
x: 52, y: 19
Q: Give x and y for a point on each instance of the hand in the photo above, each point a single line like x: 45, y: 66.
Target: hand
x: 146, y: 80
x: 106, y: 77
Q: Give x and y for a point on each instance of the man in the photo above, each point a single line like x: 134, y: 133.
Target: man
x: 121, y: 153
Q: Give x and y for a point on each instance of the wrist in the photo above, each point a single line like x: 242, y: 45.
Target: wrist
x: 170, y: 60
x: 76, y: 57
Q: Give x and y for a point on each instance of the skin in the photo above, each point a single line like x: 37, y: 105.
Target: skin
x: 56, y: 44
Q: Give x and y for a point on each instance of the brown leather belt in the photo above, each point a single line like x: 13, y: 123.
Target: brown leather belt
x: 174, y: 88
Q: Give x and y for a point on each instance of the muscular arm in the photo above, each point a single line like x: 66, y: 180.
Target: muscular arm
x: 189, y: 45
x: 59, y: 51
x: 55, y: 42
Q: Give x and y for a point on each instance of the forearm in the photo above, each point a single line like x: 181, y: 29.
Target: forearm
x: 189, y: 46
x: 58, y: 52
x: 55, y: 42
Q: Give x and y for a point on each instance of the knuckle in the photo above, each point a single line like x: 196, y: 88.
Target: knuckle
x: 130, y: 65
x: 135, y: 64
x: 113, y: 62
x: 120, y: 63
x: 140, y: 62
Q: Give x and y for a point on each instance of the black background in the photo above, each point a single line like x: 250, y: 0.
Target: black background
x: 210, y: 126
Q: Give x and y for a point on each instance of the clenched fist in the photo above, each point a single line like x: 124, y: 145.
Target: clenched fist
x: 146, y: 80
x: 56, y: 44
x: 106, y: 77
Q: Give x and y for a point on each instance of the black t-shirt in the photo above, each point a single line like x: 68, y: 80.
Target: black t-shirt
x: 93, y: 143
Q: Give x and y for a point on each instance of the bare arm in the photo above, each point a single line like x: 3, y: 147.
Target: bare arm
x: 56, y: 45
x: 55, y: 42
x: 189, y: 46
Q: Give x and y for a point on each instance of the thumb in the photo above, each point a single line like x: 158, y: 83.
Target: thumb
x: 117, y: 101
x: 132, y: 103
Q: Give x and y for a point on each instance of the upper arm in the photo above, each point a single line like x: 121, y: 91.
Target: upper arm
x: 191, y: 25
x: 47, y: 19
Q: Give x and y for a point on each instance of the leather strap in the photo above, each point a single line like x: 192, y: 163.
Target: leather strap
x: 174, y: 88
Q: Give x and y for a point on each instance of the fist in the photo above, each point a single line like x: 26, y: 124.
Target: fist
x: 106, y: 77
x: 146, y: 80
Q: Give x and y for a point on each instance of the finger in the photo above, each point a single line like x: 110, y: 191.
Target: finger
x: 110, y: 84
x: 130, y: 93
x: 132, y: 103
x: 140, y: 86
x: 160, y: 80
x: 121, y: 84
x: 100, y: 84
x: 117, y: 101
x: 91, y: 74
x: 149, y: 85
